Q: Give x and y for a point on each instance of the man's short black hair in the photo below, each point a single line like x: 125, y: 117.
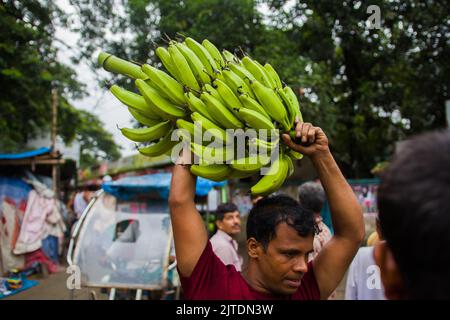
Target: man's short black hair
x: 269, y: 212
x: 225, y: 208
x: 414, y: 213
x: 312, y: 196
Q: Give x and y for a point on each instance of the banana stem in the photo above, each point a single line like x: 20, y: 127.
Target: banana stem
x: 114, y: 64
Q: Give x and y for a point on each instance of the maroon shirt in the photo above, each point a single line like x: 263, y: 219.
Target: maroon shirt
x: 212, y: 280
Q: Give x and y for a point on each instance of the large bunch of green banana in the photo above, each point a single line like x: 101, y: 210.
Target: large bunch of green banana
x: 206, y: 92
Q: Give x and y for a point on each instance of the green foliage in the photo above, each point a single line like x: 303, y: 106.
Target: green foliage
x: 28, y: 71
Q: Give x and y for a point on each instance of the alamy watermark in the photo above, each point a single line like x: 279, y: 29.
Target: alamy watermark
x: 74, y: 279
x: 373, y: 277
x: 374, y: 20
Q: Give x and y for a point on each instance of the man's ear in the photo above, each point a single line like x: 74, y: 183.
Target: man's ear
x: 219, y: 224
x: 390, y: 274
x: 253, y: 248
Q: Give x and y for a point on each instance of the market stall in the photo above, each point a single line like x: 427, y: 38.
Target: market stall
x: 124, y: 238
x: 31, y: 219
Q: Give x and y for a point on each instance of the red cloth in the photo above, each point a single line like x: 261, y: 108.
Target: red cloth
x: 39, y: 256
x: 212, y: 280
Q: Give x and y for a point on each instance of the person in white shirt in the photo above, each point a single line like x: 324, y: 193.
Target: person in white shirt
x: 228, y: 222
x: 364, y: 280
x: 80, y: 202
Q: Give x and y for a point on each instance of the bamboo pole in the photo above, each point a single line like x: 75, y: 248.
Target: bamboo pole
x: 54, y: 133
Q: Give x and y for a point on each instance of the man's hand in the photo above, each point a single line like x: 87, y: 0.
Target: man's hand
x: 314, y: 142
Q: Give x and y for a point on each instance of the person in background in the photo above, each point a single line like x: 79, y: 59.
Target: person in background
x: 414, y: 213
x: 81, y: 201
x: 312, y: 197
x: 363, y: 279
x: 228, y: 223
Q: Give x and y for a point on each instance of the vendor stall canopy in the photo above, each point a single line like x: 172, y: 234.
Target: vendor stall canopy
x: 128, y: 187
x: 24, y: 155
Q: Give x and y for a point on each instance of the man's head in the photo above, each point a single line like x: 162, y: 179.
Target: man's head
x: 312, y: 196
x: 414, y: 213
x: 228, y: 219
x: 280, y: 235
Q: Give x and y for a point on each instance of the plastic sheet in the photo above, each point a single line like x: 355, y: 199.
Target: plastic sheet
x: 128, y: 187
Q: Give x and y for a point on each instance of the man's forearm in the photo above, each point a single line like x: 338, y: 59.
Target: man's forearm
x: 182, y: 188
x: 346, y: 211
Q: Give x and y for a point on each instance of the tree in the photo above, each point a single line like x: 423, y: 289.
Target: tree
x: 366, y: 87
x: 28, y: 71
x: 387, y: 83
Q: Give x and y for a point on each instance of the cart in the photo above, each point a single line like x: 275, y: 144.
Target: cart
x: 123, y: 240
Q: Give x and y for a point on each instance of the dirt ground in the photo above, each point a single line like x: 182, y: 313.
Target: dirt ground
x: 53, y: 287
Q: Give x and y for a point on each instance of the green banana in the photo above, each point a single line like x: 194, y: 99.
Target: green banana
x: 213, y: 91
x: 161, y: 106
x: 190, y: 127
x: 160, y: 147
x: 288, y: 122
x: 195, y: 63
x: 270, y: 101
x: 254, y: 105
x: 220, y: 113
x: 164, y: 55
x: 184, y: 70
x: 165, y: 83
x: 212, y: 155
x: 243, y: 73
x: 210, y: 126
x: 293, y: 98
x: 134, y: 101
x: 249, y: 164
x: 236, y: 174
x: 263, y: 144
x: 295, y: 155
x: 258, y: 72
x: 143, y: 119
x: 215, y: 172
x: 214, y: 52
x: 229, y: 57
x: 270, y: 71
x: 290, y: 165
x: 197, y: 105
x: 238, y: 85
x: 231, y: 101
x: 203, y: 55
x: 273, y: 179
x: 147, y: 134
x: 114, y: 64
x: 271, y: 81
x: 255, y: 119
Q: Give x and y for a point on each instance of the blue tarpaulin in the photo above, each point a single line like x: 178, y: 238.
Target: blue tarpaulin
x: 26, y: 284
x: 13, y: 188
x: 127, y: 187
x: 24, y: 155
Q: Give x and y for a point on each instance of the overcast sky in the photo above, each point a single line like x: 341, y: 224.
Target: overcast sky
x: 99, y: 101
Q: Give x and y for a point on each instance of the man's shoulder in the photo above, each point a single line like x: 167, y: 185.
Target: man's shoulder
x: 218, y: 239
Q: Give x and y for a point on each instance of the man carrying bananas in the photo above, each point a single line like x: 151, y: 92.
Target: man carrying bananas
x: 280, y: 237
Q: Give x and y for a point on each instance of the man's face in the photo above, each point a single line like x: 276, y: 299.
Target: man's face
x: 231, y: 223
x: 285, y: 260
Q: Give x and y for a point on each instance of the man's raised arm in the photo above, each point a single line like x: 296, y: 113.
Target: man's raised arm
x: 333, y: 260
x: 189, y: 231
